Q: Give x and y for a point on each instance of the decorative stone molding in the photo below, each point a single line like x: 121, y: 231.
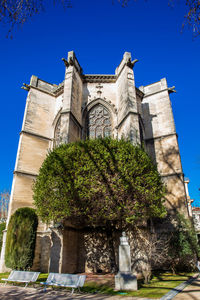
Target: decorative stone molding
x: 27, y: 87
x: 161, y: 137
x: 36, y: 135
x: 179, y: 174
x: 93, y: 102
x: 19, y: 172
x: 59, y: 89
x: 99, y: 78
x: 157, y: 92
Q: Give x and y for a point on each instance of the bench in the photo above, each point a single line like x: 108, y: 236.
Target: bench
x: 198, y: 265
x: 22, y: 276
x: 65, y: 280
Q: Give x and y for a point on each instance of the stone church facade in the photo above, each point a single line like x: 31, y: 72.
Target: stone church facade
x: 91, y: 106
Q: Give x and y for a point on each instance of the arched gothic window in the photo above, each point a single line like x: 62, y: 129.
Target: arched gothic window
x: 98, y: 122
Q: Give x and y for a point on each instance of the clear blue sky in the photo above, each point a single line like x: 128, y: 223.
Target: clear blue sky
x: 100, y: 33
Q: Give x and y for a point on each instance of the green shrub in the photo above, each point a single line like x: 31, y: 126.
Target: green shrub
x: 99, y: 181
x: 2, y: 227
x: 20, y: 240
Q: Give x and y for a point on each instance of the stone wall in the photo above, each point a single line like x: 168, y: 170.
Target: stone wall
x: 95, y: 251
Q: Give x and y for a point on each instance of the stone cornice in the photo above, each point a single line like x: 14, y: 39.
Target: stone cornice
x: 161, y: 136
x: 172, y: 174
x: 157, y: 92
x: 99, y: 78
x: 59, y: 90
x: 36, y: 135
x: 55, y: 93
x: 25, y: 173
x: 29, y: 86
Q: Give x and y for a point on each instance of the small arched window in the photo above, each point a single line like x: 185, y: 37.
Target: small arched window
x: 98, y: 122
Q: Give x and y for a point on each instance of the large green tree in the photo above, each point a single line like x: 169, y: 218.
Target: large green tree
x: 102, y: 181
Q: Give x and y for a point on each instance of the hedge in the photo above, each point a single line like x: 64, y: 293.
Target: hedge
x: 20, y: 240
x: 2, y: 227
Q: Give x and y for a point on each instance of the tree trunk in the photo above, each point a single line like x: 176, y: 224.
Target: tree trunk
x: 110, y: 238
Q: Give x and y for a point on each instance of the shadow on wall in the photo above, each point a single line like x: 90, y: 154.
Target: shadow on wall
x: 42, y: 253
x: 55, y: 252
x: 168, y: 156
x: 45, y: 252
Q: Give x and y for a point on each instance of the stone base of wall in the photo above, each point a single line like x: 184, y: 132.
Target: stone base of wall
x: 71, y: 250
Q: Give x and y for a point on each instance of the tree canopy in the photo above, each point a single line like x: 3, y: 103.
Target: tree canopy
x: 99, y: 181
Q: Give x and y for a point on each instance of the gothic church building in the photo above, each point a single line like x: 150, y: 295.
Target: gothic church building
x: 93, y: 106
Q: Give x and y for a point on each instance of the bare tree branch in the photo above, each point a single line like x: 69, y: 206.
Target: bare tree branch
x: 192, y: 18
x: 4, y: 203
x: 17, y: 12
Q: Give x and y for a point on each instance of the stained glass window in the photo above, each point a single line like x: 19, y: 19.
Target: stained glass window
x: 99, y: 122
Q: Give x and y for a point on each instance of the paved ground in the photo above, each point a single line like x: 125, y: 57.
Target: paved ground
x: 191, y: 292
x: 19, y: 293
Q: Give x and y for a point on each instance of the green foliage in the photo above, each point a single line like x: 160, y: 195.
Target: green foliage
x: 20, y: 240
x: 184, y: 248
x: 99, y: 181
x: 2, y: 227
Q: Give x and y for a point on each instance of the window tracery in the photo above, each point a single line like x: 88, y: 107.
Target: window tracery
x: 99, y: 122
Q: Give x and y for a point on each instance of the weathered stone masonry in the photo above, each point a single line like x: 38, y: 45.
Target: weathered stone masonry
x: 94, y: 105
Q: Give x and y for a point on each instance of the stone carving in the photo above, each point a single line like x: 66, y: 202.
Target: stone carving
x: 99, y: 92
x: 131, y: 63
x: 123, y: 239
x: 124, y: 280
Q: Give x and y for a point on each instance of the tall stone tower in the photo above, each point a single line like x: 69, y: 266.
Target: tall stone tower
x: 91, y: 106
